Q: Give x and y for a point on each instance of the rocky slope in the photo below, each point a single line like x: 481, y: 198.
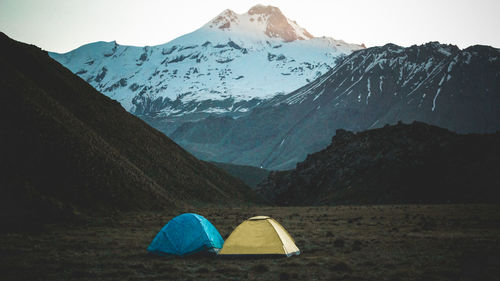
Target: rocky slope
x: 66, y: 149
x: 415, y: 163
x: 228, y: 66
x: 433, y: 83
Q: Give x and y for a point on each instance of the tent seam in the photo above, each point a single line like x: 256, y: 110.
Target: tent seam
x: 205, y: 231
x: 279, y: 237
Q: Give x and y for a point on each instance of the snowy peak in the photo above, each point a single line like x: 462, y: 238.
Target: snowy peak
x: 224, y: 20
x: 266, y: 21
x: 278, y: 25
x: 228, y: 66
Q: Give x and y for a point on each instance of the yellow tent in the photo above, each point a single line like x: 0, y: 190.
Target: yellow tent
x: 259, y: 236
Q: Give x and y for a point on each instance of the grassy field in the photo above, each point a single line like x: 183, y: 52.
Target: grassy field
x: 407, y: 242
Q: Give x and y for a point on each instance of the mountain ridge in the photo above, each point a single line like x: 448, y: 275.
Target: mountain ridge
x: 434, y: 83
x: 207, y: 72
x: 402, y: 163
x: 68, y: 150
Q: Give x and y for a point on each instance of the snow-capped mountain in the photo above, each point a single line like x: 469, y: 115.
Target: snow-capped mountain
x: 434, y: 83
x: 228, y: 66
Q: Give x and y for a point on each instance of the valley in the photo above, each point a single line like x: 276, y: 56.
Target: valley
x: 382, y: 163
x: 373, y: 242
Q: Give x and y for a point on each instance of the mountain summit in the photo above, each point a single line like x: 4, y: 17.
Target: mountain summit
x: 226, y: 67
x: 260, y: 20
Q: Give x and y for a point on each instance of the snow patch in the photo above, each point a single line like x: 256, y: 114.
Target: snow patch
x: 429, y: 64
x: 282, y: 141
x: 319, y: 94
x: 368, y: 89
x: 444, y: 51
x: 452, y: 63
x: 442, y: 80
x: 374, y: 123
x: 469, y: 56
x: 434, y: 100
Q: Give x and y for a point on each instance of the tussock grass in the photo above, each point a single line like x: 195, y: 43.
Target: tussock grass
x: 432, y: 242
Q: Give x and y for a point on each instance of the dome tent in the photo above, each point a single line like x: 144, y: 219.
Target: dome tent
x: 259, y: 235
x: 186, y: 234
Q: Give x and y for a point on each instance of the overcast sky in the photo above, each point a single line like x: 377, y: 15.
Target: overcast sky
x: 62, y: 25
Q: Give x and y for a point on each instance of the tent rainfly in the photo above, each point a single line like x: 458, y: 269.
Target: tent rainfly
x: 186, y: 234
x: 260, y: 235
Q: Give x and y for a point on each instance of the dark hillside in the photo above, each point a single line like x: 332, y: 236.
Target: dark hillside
x: 415, y: 163
x: 66, y: 149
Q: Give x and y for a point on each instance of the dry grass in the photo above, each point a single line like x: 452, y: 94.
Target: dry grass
x: 413, y: 242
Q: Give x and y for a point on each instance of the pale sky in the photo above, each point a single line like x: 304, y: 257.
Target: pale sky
x: 63, y: 25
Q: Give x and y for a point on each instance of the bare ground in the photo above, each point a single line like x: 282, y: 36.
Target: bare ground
x: 390, y: 242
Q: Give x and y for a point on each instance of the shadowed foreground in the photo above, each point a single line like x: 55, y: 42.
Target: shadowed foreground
x: 408, y: 242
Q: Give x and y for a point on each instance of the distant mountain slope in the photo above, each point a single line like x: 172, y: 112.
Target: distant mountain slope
x: 251, y: 176
x: 65, y: 149
x: 415, y: 163
x: 227, y: 66
x: 433, y: 83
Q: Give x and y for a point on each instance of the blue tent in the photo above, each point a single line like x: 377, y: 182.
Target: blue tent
x: 186, y: 234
